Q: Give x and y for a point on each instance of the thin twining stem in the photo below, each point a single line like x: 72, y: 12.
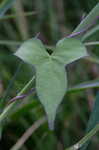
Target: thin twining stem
x: 9, y: 108
x: 83, y: 30
x: 22, y: 96
x: 91, y: 43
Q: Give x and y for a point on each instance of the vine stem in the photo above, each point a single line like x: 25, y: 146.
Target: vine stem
x: 86, y: 138
x: 92, y: 43
x: 9, y: 108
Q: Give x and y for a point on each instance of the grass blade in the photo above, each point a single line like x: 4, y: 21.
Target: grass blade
x: 4, y: 6
x: 89, y: 19
x: 84, y: 85
x: 93, y: 120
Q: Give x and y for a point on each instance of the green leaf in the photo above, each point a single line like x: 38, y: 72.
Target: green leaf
x: 51, y: 81
x: 93, y: 120
x: 88, y: 19
x: 68, y: 50
x: 4, y: 6
x: 51, y: 85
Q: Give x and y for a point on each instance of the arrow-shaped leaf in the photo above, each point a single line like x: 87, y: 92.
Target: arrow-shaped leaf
x: 51, y: 81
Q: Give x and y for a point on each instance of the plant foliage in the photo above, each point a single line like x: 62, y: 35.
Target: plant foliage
x: 51, y: 80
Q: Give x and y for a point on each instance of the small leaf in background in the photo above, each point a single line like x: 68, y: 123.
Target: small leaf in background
x: 4, y: 6
x: 51, y: 81
x: 93, y: 120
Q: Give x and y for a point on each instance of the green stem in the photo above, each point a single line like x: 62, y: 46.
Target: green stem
x: 14, y: 16
x: 5, y: 42
x: 84, y: 86
x: 9, y: 108
x: 84, y: 139
x: 92, y: 43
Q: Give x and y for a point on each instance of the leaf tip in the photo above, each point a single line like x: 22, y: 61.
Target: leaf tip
x: 51, y: 124
x: 51, y: 120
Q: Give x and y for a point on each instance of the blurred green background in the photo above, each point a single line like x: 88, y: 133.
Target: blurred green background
x: 53, y: 20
